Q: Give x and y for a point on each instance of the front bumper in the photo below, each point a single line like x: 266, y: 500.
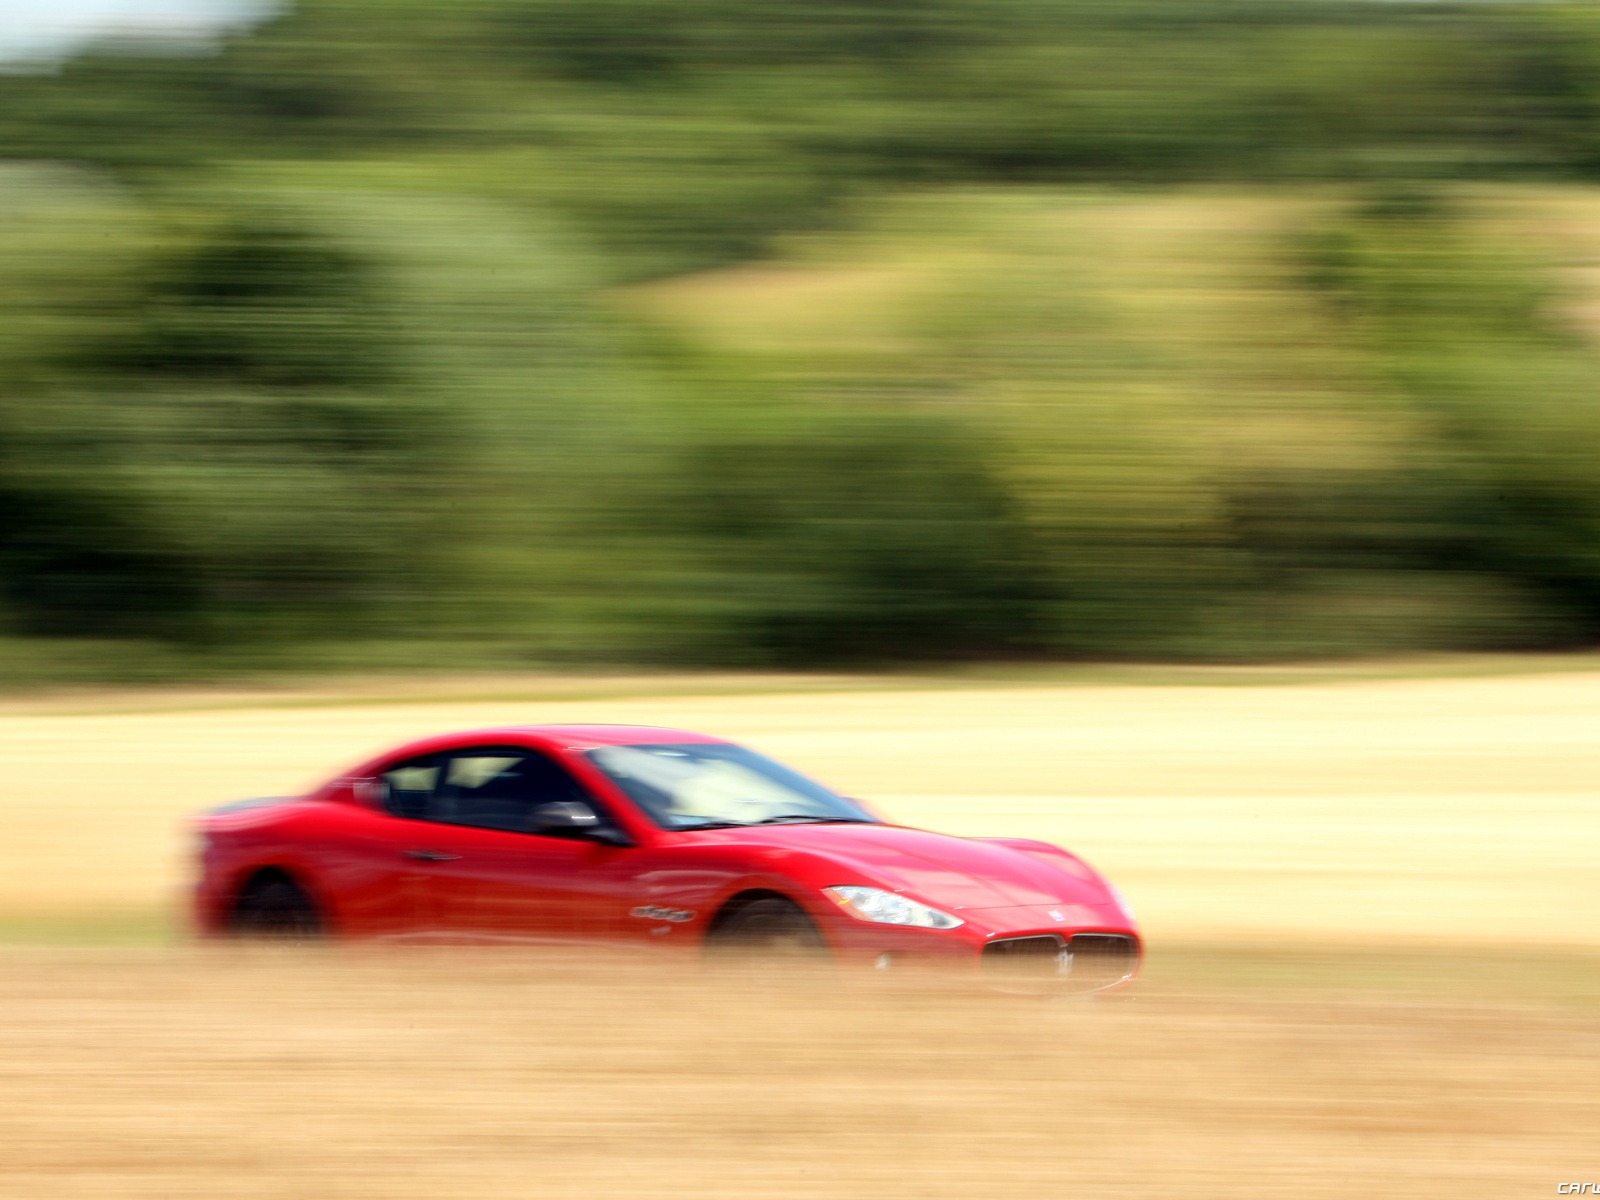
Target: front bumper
x: 1025, y: 950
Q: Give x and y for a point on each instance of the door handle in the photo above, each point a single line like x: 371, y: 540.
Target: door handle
x: 430, y: 855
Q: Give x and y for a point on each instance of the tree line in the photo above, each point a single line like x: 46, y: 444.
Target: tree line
x: 322, y: 346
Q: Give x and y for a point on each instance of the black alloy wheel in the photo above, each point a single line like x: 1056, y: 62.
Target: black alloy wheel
x: 769, y: 928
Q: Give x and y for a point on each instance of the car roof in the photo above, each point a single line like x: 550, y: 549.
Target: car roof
x: 535, y: 737
x: 578, y: 736
x: 571, y: 737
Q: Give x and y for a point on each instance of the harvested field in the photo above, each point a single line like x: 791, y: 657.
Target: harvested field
x: 356, y: 1076
x: 1373, y: 909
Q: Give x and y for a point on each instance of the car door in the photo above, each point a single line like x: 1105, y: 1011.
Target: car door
x: 487, y: 875
x: 357, y: 844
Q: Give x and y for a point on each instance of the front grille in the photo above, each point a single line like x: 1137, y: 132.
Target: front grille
x: 1101, y: 959
x: 1086, y: 962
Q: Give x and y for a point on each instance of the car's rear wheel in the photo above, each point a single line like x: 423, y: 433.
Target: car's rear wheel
x: 275, y: 907
x: 769, y: 928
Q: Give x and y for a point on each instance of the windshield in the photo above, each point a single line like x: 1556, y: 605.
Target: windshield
x: 712, y: 785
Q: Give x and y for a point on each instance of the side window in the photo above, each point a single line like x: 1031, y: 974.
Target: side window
x: 408, y: 788
x: 499, y: 789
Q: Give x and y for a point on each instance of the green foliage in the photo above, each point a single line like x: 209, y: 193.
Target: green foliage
x: 199, y: 457
x: 684, y: 134
x: 259, y: 304
x: 230, y: 424
x: 1067, y: 333
x: 1461, y: 329
x: 1211, y: 426
x: 856, y: 536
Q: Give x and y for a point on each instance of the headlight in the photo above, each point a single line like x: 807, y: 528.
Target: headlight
x: 889, y: 908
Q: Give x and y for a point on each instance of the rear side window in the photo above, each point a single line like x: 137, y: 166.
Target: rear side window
x: 492, y: 788
x: 500, y: 790
x: 408, y: 788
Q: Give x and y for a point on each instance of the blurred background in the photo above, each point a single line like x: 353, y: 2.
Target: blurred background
x: 759, y: 333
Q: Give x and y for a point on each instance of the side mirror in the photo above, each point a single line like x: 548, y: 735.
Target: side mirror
x: 564, y: 816
x: 574, y: 819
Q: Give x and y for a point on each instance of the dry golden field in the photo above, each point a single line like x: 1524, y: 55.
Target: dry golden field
x: 1373, y: 905
x: 162, y: 1075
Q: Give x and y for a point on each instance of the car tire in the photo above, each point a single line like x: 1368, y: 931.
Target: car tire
x: 770, y: 928
x: 275, y: 908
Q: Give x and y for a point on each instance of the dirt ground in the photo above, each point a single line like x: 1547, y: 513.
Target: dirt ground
x: 1372, y: 907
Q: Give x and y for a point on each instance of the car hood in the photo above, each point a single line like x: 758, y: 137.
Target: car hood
x: 946, y: 871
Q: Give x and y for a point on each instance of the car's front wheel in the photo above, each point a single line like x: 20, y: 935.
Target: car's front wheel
x: 275, y: 906
x: 769, y: 928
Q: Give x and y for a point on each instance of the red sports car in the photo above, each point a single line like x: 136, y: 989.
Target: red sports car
x: 654, y: 837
